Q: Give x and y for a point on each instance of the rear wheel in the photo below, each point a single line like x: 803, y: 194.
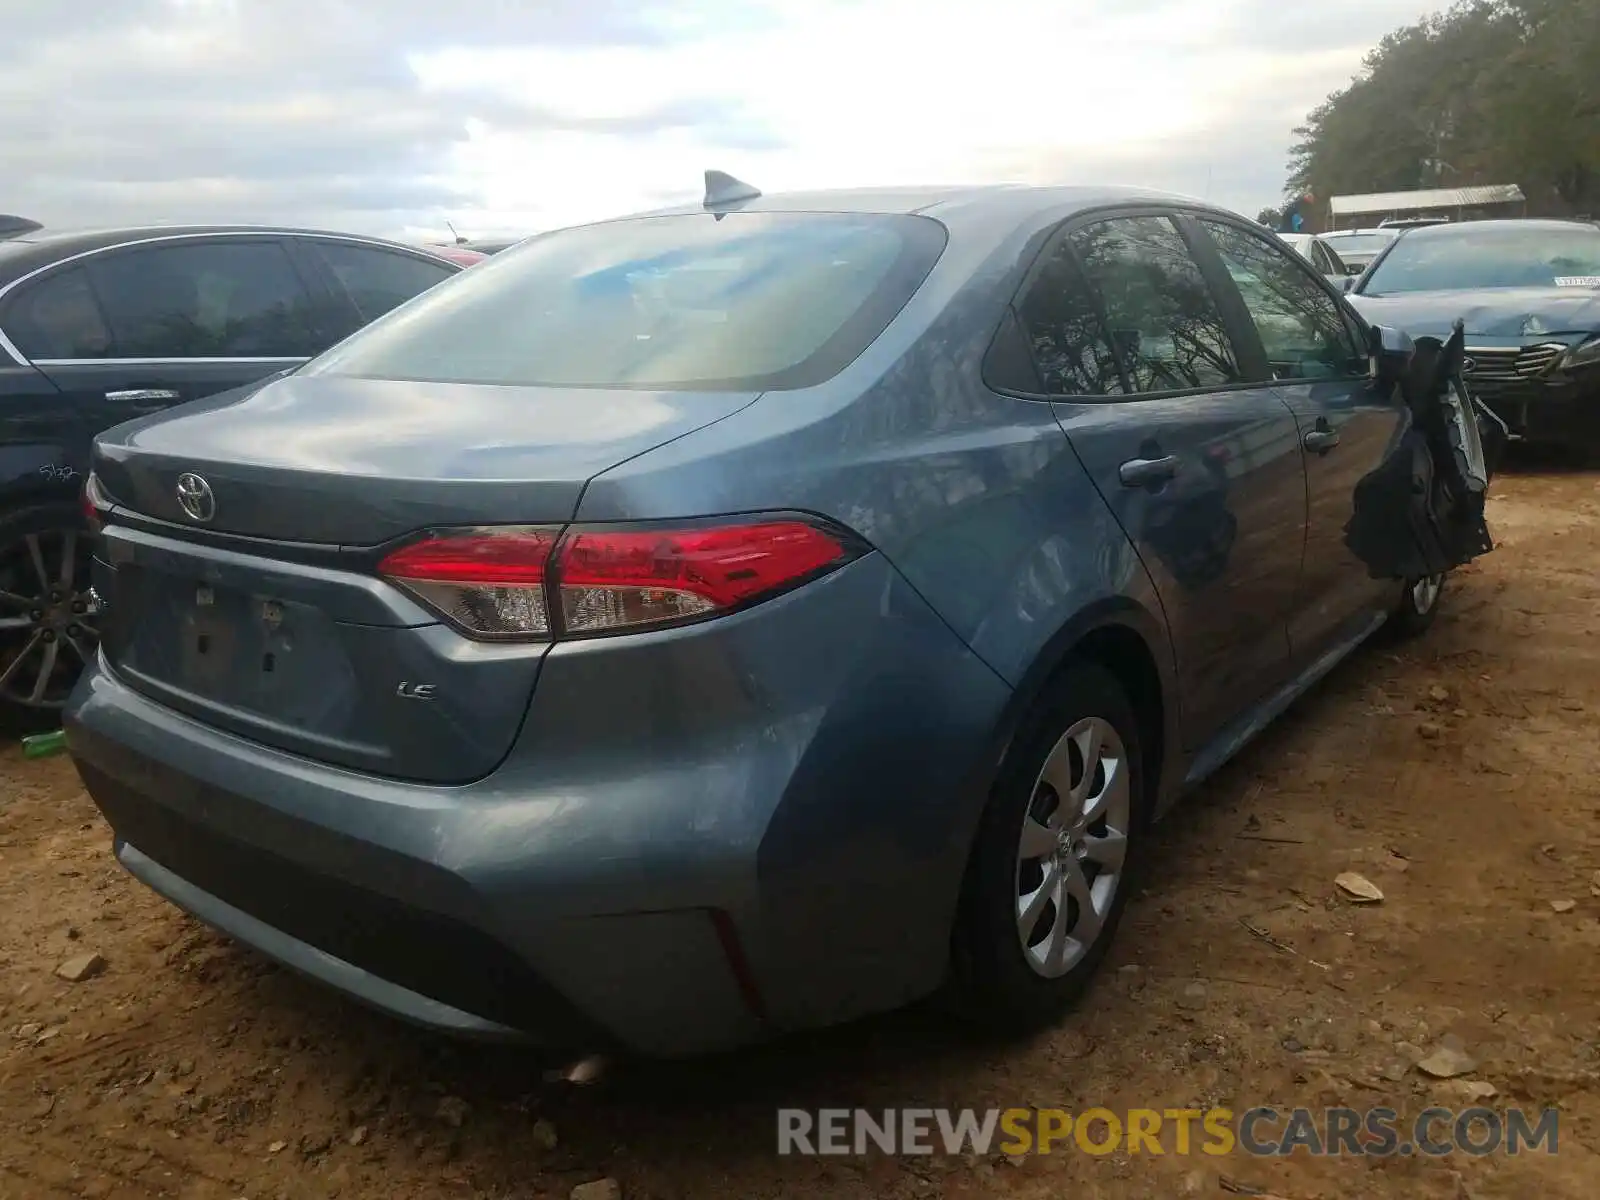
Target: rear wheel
x: 1048, y: 879
x: 47, y: 611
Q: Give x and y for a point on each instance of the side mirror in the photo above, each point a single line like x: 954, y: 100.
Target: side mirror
x: 1349, y: 283
x: 1390, y: 352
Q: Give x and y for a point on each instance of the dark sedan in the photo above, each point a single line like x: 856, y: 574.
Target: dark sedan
x: 1529, y: 294
x: 99, y: 327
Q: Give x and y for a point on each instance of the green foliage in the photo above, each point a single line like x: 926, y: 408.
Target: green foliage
x: 1492, y: 91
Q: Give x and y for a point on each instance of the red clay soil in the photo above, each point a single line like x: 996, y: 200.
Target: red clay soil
x: 1457, y: 773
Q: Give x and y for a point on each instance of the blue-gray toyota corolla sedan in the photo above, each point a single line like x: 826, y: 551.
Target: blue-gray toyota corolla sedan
x: 691, y: 627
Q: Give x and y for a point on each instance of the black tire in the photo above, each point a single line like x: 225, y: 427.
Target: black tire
x: 993, y: 979
x: 1414, y: 612
x: 51, y: 527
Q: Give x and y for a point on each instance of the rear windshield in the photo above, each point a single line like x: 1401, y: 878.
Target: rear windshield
x: 1487, y: 256
x: 751, y: 301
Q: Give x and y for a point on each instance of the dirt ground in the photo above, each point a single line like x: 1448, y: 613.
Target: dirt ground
x: 1457, y: 774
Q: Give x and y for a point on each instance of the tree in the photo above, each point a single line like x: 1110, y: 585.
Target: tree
x: 1491, y: 91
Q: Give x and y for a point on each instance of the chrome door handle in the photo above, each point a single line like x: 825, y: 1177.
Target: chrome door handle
x: 142, y: 395
x: 1322, y: 440
x: 1147, y: 472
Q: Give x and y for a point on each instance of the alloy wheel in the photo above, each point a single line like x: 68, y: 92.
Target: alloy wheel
x: 1425, y: 593
x: 1073, y: 846
x: 47, y: 617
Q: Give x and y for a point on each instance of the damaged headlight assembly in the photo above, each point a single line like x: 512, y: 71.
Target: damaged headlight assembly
x: 1585, y: 354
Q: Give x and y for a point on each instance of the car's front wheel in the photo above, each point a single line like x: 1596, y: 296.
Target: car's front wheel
x: 47, y: 611
x: 1048, y: 878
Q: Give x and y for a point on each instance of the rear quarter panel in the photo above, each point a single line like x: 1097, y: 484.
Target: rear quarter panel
x: 982, y: 510
x: 44, y: 447
x: 976, y: 498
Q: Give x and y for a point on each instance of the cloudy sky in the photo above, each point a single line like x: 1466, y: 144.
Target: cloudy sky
x: 395, y: 116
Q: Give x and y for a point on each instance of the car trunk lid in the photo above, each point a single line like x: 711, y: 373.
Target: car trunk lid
x: 343, y: 461
x: 268, y: 619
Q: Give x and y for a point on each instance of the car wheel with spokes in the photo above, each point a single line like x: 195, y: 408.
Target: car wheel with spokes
x: 1048, y: 879
x: 1073, y: 847
x: 48, y: 610
x: 1418, y: 606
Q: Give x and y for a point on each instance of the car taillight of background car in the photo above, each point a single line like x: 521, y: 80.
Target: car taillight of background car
x: 95, y: 502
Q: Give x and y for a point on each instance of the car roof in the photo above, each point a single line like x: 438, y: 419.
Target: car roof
x: 998, y: 199
x: 1461, y: 227
x: 29, y: 252
x: 984, y: 219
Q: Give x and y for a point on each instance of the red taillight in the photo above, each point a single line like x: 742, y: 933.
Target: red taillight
x: 613, y: 580
x: 488, y: 581
x: 500, y: 583
x: 505, y: 558
x: 94, y: 501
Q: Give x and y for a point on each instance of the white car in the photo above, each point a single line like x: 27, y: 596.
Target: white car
x: 1319, y: 254
x: 1358, y: 247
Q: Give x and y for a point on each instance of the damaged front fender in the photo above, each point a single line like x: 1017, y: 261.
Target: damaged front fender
x: 1421, y: 512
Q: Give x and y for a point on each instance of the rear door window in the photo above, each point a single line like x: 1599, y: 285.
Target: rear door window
x: 379, y: 280
x: 1302, y: 328
x: 227, y: 298
x: 697, y: 302
x: 58, y: 317
x: 1160, y: 314
x: 1060, y: 315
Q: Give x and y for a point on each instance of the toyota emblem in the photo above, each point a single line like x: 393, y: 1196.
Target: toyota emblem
x: 1468, y: 365
x: 195, y: 498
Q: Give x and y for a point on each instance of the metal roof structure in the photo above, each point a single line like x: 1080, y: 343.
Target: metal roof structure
x: 1468, y: 197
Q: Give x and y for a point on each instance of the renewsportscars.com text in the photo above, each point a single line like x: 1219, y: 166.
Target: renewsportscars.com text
x: 1261, y: 1131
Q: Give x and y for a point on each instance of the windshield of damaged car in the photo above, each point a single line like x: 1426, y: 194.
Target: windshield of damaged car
x: 692, y: 302
x: 1486, y: 257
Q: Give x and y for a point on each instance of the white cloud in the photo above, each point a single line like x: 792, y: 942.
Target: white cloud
x: 892, y: 92
x: 401, y: 114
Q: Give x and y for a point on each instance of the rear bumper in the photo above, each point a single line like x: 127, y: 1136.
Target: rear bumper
x: 374, y: 990
x: 702, y: 837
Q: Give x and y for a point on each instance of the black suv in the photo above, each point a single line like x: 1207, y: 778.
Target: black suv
x: 97, y: 328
